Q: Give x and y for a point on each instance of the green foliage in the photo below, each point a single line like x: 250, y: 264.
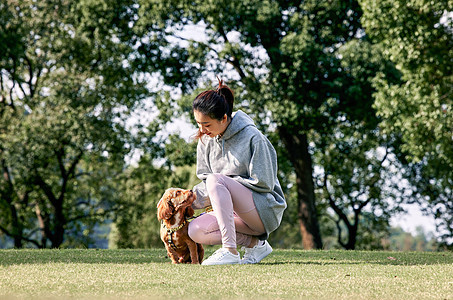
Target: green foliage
x: 399, y: 240
x: 417, y: 38
x: 286, y: 61
x: 358, y: 176
x: 355, y: 172
x: 136, y: 224
x: 65, y: 92
x: 179, y: 152
x: 342, y: 88
x: 307, y: 72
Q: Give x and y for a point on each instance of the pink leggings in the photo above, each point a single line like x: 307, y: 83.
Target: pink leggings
x: 233, y: 220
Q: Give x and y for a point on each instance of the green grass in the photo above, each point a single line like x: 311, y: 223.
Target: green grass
x: 285, y: 274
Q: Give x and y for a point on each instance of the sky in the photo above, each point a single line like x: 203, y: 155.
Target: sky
x: 414, y: 218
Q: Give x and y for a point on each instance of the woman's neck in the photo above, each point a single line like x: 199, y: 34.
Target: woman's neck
x: 226, y: 127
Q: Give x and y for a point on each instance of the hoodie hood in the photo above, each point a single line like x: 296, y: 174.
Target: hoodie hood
x: 238, y: 123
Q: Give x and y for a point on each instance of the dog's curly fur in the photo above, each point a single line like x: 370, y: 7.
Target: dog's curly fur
x: 173, y: 209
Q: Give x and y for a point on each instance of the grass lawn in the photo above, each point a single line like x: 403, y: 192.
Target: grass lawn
x: 285, y: 274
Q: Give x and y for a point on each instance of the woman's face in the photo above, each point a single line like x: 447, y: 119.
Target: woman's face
x: 210, y: 127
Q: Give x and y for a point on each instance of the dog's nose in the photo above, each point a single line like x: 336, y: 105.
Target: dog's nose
x: 191, y: 191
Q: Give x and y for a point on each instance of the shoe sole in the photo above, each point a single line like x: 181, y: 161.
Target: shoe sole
x: 217, y: 262
x: 228, y: 263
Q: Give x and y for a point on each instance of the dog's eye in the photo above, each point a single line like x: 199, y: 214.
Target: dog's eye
x: 178, y: 193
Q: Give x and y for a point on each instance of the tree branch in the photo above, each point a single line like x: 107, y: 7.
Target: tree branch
x: 234, y: 61
x: 31, y: 241
x: 2, y: 98
x: 70, y: 173
x: 89, y: 216
x: 337, y: 222
x: 46, y: 189
x: 60, y: 154
x: 341, y: 215
x: 335, y: 207
x: 375, y: 180
x: 5, y: 231
x: 11, y: 94
x: 6, y: 173
x: 30, y: 73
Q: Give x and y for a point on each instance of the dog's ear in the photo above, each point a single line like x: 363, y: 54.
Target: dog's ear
x: 189, y: 212
x: 164, y: 209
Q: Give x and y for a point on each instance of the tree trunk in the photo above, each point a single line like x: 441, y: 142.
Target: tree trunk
x: 17, y: 229
x: 60, y: 224
x: 297, y: 147
x: 352, y: 239
x: 42, y: 226
x: 55, y: 228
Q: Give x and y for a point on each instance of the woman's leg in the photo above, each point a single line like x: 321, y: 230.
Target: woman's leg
x: 205, y: 230
x: 234, y: 219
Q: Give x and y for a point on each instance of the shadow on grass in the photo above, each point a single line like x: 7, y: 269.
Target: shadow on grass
x: 84, y: 256
x: 341, y: 257
x: 278, y: 257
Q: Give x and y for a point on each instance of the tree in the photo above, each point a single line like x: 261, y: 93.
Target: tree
x: 399, y: 240
x: 144, y: 186
x: 65, y: 90
x: 356, y: 165
x: 356, y: 178
x: 418, y: 112
x: 284, y: 57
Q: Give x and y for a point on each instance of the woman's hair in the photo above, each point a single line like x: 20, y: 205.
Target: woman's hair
x: 215, y: 104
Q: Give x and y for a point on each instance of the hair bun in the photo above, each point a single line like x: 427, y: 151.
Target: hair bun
x: 227, y: 93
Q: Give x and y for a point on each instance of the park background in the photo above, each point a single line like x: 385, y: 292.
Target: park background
x: 356, y: 96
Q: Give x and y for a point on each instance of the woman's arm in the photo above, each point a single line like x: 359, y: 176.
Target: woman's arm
x: 203, y: 170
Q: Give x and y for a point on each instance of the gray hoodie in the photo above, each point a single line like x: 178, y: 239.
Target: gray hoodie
x: 246, y: 155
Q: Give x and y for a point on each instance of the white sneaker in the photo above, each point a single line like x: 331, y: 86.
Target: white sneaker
x: 222, y: 257
x: 256, y: 254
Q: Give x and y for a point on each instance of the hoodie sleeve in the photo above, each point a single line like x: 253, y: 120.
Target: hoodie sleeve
x: 203, y: 171
x: 262, y: 168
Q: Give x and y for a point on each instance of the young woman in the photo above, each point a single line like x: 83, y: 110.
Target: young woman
x: 238, y: 168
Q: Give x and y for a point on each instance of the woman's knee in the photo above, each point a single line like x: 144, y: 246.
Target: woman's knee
x: 204, y: 230
x: 194, y: 231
